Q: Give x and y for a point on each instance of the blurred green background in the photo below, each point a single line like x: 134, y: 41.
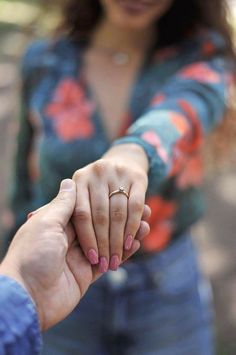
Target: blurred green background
x: 23, y: 20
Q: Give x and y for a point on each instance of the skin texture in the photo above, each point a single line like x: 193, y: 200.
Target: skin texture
x: 45, y: 258
x: 103, y: 225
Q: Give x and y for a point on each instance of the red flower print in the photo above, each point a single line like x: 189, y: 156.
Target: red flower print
x: 70, y: 111
x: 195, y: 138
x: 191, y: 174
x: 200, y: 72
x: 189, y: 143
x: 180, y: 122
x: 161, y: 223
x: 158, y: 99
x: 153, y: 139
x: 165, y: 53
x: 186, y: 162
x: 208, y: 48
x: 179, y: 159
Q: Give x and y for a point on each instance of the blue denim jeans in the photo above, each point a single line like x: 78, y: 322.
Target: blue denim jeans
x: 157, y: 305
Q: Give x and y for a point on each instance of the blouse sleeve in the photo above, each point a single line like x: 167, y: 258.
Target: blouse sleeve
x: 189, y: 105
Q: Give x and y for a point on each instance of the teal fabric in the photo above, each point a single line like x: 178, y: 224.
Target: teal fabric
x: 179, y: 96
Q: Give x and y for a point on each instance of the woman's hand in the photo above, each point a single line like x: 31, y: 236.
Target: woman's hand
x: 107, y: 226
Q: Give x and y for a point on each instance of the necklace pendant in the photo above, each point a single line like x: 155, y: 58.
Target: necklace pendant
x: 121, y: 58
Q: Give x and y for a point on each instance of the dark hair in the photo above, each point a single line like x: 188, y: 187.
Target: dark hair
x: 81, y: 16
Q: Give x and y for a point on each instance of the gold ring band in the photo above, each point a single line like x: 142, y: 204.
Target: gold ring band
x: 121, y: 190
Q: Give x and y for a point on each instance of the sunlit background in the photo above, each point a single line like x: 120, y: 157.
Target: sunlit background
x: 23, y: 20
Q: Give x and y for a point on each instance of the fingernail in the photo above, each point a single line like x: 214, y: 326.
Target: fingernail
x: 93, y: 256
x: 103, y: 265
x: 128, y: 242
x: 114, y: 262
x: 29, y: 215
x: 66, y: 184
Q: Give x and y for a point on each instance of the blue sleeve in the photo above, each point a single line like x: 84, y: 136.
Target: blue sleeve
x: 19, y: 325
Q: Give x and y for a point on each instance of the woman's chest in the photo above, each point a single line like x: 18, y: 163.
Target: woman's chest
x: 112, y: 89
x: 77, y: 124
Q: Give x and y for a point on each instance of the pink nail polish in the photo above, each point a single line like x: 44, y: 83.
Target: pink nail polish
x: 128, y: 242
x: 93, y: 256
x: 29, y: 215
x: 114, y: 262
x: 103, y: 265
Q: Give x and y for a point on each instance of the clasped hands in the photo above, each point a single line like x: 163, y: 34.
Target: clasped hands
x: 50, y: 256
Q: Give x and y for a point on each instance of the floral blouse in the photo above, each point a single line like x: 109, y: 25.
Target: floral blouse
x: 179, y: 96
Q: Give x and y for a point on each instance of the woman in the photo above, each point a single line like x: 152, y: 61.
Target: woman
x: 156, y: 75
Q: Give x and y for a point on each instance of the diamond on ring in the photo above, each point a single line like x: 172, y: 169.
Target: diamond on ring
x: 121, y: 190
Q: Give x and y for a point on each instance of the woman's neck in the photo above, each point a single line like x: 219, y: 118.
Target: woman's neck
x: 108, y: 36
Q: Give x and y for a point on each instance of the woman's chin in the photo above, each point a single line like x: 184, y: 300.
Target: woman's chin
x: 131, y: 23
x: 135, y: 15
x: 136, y: 8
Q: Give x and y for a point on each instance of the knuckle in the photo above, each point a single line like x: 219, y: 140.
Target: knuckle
x: 81, y: 215
x: 118, y: 215
x: 76, y: 175
x: 99, y: 167
x: 79, y: 175
x: 60, y: 199
x: 103, y: 241
x: 137, y: 206
x: 120, y: 170
x: 63, y: 246
x: 100, y: 218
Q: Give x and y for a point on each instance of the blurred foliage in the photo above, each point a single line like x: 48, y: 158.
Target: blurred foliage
x: 33, y: 16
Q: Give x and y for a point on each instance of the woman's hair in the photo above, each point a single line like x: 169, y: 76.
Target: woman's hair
x: 80, y: 17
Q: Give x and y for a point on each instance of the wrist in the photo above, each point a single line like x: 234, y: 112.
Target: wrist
x: 129, y: 152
